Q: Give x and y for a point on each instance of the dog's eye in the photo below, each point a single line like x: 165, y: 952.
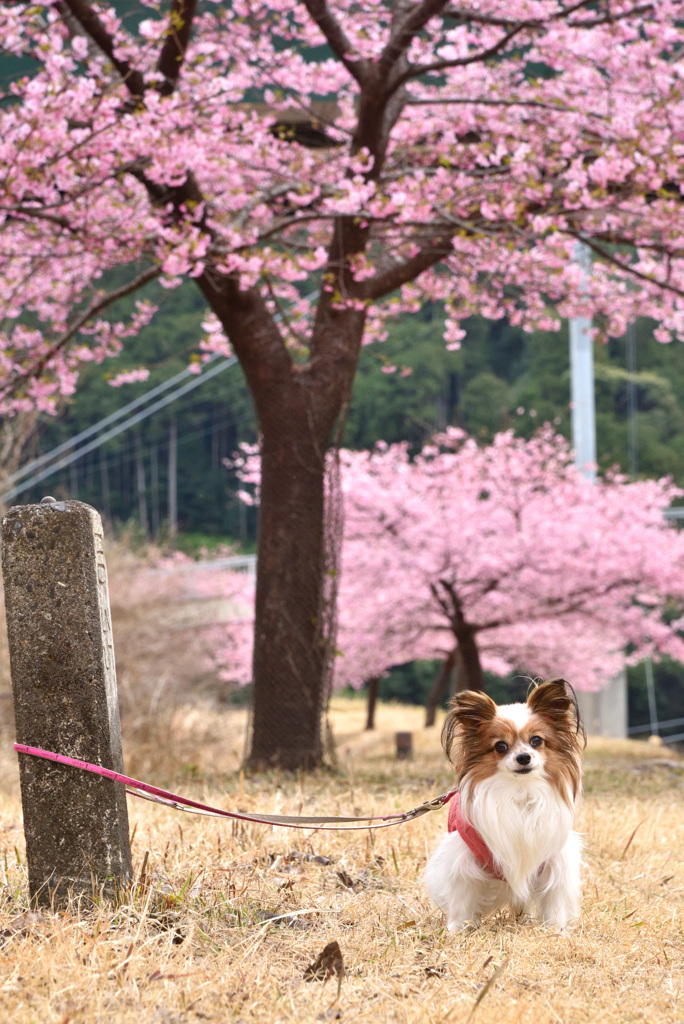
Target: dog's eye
x: 501, y: 747
x: 536, y: 741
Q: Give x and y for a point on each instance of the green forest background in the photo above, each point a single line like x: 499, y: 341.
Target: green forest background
x: 501, y: 378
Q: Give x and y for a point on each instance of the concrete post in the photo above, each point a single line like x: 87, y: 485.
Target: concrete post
x: 64, y: 686
x: 582, y: 383
x: 604, y: 713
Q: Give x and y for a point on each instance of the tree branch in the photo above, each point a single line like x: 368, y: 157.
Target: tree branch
x: 337, y: 39
x: 405, y: 31
x: 177, y: 38
x: 480, y: 102
x: 443, y: 65
x: 464, y: 16
x: 626, y: 268
x: 93, y: 27
x: 95, y: 307
x: 375, y: 287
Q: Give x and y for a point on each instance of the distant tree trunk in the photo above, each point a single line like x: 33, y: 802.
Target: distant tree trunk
x: 471, y: 676
x: 73, y: 479
x: 439, y: 688
x: 373, y: 691
x: 104, y: 479
x: 154, y: 488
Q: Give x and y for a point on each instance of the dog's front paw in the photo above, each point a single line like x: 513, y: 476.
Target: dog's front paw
x: 457, y: 925
x: 561, y: 921
x: 561, y: 926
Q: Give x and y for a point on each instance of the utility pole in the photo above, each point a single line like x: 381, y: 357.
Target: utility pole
x: 632, y: 404
x: 173, y: 479
x: 582, y: 383
x: 604, y: 712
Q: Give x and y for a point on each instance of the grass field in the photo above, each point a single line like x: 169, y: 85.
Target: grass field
x: 227, y: 917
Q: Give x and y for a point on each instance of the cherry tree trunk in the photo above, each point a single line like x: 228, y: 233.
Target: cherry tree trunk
x: 470, y: 676
x: 289, y: 643
x: 373, y: 691
x: 297, y: 405
x: 439, y: 688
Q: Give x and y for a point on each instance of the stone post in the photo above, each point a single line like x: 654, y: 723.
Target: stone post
x: 64, y: 686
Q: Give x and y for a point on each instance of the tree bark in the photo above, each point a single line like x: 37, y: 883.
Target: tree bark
x: 297, y: 405
x: 289, y: 649
x: 439, y: 688
x: 471, y: 676
x: 373, y: 691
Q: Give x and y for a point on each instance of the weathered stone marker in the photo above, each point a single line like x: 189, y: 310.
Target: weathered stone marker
x: 64, y: 686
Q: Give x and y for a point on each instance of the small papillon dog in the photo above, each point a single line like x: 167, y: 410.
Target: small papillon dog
x: 510, y: 840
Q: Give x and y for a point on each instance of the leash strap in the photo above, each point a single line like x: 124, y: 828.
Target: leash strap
x: 180, y: 803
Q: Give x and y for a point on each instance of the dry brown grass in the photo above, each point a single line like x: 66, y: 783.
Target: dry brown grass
x: 195, y: 943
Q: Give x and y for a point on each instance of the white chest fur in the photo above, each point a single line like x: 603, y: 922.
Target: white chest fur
x: 523, y: 820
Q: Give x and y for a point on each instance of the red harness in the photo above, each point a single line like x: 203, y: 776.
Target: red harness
x: 471, y: 837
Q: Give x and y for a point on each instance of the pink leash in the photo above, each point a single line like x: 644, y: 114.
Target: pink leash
x: 181, y: 803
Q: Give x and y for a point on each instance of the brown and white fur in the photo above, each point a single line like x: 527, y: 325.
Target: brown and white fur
x: 518, y: 768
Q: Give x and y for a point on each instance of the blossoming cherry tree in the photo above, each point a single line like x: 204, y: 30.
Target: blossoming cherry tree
x: 461, y: 150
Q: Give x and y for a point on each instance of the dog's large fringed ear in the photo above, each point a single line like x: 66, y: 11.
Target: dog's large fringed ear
x: 467, y: 712
x: 556, y: 701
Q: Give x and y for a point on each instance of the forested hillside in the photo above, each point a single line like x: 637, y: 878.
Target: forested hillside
x: 406, y: 388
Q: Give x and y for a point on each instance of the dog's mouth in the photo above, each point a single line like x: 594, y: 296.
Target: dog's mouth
x: 523, y: 771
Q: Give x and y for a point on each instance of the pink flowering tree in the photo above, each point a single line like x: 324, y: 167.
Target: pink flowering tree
x: 315, y: 166
x: 504, y: 557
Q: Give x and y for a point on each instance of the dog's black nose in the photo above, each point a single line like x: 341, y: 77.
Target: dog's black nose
x: 523, y: 758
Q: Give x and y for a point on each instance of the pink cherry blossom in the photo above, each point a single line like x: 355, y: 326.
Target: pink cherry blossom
x: 129, y: 377
x: 507, y: 545
x: 475, y: 198
x: 441, y: 167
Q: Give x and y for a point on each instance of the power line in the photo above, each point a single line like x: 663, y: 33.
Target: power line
x: 101, y: 424
x: 118, y: 414
x: 129, y: 452
x: 114, y: 431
